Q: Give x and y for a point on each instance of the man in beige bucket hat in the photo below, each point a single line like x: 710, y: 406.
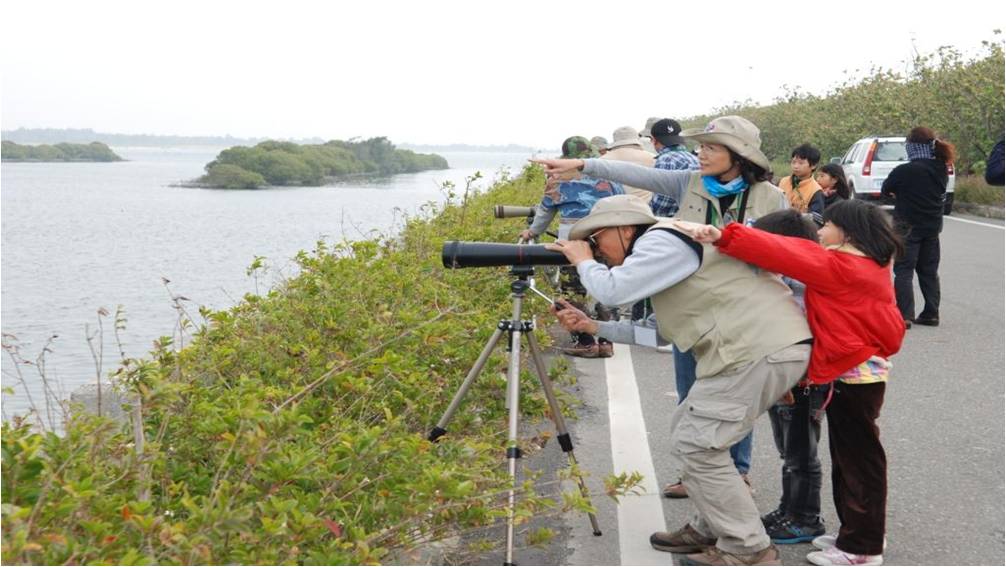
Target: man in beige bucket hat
x: 628, y: 146
x: 750, y: 340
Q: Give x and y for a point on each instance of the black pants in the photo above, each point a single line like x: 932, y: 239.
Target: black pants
x: 922, y: 256
x: 797, y: 431
x: 858, y: 466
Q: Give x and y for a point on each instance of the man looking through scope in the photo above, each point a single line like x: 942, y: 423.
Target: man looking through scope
x: 751, y: 342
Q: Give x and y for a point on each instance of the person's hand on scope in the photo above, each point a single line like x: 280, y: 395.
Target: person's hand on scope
x: 527, y: 235
x: 572, y: 319
x: 576, y: 251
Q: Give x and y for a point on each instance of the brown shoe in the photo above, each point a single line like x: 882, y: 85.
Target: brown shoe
x: 716, y: 556
x: 675, y: 490
x: 605, y: 350
x: 583, y: 351
x: 685, y: 540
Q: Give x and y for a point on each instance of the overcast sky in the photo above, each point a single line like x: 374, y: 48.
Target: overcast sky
x: 423, y: 72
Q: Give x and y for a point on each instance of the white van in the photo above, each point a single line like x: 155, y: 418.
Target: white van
x: 870, y: 160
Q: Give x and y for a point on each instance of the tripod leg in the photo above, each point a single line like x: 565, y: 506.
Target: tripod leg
x: 560, y: 424
x: 513, y: 452
x: 440, y: 429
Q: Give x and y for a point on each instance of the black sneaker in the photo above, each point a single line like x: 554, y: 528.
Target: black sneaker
x: 928, y: 321
x: 786, y: 530
x: 772, y: 518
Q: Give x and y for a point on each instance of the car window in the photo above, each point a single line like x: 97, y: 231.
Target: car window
x: 861, y: 152
x: 850, y: 154
x: 890, y: 151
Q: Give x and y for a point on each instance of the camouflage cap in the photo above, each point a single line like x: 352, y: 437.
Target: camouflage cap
x: 577, y: 147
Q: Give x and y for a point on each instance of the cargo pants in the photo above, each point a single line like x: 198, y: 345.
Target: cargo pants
x: 718, y: 412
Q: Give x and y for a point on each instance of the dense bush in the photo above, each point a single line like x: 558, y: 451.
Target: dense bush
x: 292, y: 430
x: 227, y: 176
x: 286, y: 163
x: 960, y: 98
x: 95, y: 151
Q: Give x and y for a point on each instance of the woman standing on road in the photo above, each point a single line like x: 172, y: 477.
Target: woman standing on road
x: 919, y: 188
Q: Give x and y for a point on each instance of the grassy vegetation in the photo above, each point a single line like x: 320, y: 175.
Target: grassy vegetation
x: 291, y: 430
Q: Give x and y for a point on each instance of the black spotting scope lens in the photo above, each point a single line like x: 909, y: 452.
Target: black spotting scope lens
x: 458, y: 254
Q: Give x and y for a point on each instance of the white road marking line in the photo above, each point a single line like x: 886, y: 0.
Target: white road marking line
x: 976, y: 222
x: 638, y: 516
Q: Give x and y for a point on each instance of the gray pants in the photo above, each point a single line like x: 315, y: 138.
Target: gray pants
x: 718, y: 412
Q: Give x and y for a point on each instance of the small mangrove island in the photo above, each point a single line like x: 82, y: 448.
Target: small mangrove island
x: 95, y: 151
x: 273, y: 163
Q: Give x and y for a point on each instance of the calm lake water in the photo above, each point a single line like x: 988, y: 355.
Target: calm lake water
x: 78, y: 237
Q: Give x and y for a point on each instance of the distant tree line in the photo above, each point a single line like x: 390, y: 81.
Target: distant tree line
x: 961, y: 98
x: 95, y: 151
x: 287, y: 163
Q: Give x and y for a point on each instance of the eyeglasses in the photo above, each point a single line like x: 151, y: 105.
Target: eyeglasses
x: 592, y: 239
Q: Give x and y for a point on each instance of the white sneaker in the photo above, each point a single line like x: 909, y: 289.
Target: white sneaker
x: 824, y: 542
x: 668, y: 349
x: 828, y: 541
x: 835, y: 556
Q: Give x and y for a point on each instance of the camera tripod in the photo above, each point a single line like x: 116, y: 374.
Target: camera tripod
x: 516, y: 327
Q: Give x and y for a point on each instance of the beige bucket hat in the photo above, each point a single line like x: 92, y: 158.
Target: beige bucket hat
x: 734, y: 132
x: 625, y: 136
x: 617, y: 210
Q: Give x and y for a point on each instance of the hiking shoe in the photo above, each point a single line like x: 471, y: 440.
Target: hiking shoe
x: 774, y: 517
x: 787, y: 530
x: 605, y: 350
x: 716, y: 556
x: 829, y: 541
x: 928, y: 321
x: 685, y: 540
x: 675, y: 490
x: 835, y: 556
x: 583, y: 351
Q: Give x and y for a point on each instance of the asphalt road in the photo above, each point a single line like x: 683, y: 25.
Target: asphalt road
x: 942, y: 426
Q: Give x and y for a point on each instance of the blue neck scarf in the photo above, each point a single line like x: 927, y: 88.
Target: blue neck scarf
x: 717, y: 189
x: 920, y: 151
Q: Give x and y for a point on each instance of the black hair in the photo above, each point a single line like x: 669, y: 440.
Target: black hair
x: 788, y: 222
x: 838, y: 174
x: 868, y: 228
x: 751, y: 172
x: 807, y: 152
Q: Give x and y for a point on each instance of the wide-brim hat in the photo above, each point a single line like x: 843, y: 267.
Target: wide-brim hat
x: 736, y: 133
x: 617, y: 210
x: 625, y: 136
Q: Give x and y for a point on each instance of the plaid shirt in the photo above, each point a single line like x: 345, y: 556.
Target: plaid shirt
x: 674, y: 157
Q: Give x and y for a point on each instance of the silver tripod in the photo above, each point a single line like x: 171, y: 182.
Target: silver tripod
x: 517, y: 327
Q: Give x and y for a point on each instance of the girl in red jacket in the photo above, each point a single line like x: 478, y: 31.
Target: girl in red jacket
x: 857, y: 326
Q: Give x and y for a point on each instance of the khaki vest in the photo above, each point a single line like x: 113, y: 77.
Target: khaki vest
x: 728, y: 313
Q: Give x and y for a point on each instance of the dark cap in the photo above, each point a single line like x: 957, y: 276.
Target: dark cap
x: 578, y: 147
x: 667, y: 131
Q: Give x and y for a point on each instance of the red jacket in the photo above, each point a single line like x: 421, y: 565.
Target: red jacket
x: 850, y: 299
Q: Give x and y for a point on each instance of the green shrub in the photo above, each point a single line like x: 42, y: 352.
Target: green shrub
x: 227, y: 176
x: 973, y: 189
x: 95, y: 151
x: 292, y: 429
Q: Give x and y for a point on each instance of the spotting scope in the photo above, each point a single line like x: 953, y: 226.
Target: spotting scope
x: 458, y: 254
x: 510, y: 211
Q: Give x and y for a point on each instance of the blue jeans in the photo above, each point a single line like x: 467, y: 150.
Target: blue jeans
x: 684, y: 376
